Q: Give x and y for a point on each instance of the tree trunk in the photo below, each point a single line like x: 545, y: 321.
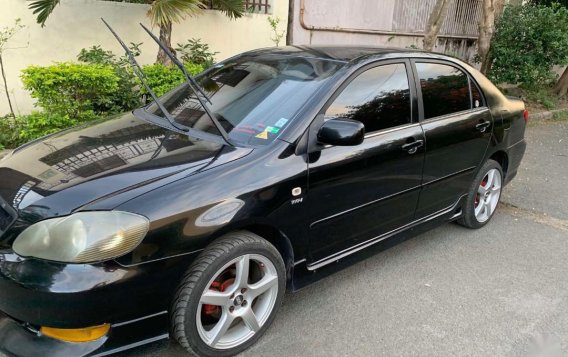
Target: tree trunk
x: 490, y: 12
x: 562, y: 84
x: 166, y: 39
x: 6, y: 87
x: 435, y: 22
x: 290, y: 27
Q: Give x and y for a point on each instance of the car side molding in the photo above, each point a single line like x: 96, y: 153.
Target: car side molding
x: 358, y: 247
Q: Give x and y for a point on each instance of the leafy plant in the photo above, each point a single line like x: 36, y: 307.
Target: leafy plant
x: 5, y: 35
x: 127, y: 96
x: 96, y: 55
x: 277, y: 37
x: 163, y: 79
x: 38, y: 124
x: 9, y: 133
x: 73, y: 90
x: 197, y: 52
x: 528, y: 41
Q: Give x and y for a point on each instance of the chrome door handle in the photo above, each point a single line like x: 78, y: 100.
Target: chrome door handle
x: 483, y: 126
x: 413, y: 147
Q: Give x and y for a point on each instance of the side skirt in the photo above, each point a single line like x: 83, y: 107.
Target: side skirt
x: 305, y: 273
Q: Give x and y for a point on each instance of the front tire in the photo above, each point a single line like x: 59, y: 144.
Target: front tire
x: 229, y: 296
x: 483, y: 197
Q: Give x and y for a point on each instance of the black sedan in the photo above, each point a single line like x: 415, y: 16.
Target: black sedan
x: 189, y: 218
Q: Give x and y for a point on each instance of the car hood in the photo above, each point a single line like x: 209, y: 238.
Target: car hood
x: 66, y: 171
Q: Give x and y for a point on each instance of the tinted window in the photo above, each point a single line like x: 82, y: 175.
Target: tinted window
x: 378, y: 97
x: 477, y: 100
x: 253, y: 97
x: 445, y: 89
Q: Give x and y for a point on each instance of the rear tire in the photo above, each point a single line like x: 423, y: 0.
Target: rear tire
x: 483, y: 196
x: 229, y: 296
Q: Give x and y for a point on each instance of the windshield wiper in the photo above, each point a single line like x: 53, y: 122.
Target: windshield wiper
x: 142, y: 77
x: 192, y: 83
x: 140, y: 74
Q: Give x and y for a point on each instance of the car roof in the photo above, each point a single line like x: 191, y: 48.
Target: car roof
x: 337, y: 53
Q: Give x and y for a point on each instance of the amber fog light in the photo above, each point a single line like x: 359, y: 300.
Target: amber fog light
x: 87, y: 334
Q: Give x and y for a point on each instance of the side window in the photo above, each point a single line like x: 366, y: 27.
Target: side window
x: 445, y: 89
x: 378, y: 97
x: 476, y: 98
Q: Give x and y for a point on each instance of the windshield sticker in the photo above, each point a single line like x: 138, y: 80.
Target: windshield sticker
x: 263, y: 135
x: 272, y: 130
x: 281, y: 122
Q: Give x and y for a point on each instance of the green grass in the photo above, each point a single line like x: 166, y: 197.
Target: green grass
x: 540, y: 98
x: 560, y: 116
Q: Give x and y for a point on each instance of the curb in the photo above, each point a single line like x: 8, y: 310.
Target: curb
x: 3, y: 153
x: 546, y: 115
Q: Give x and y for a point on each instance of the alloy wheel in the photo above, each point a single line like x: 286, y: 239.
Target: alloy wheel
x: 487, y: 196
x: 237, y: 301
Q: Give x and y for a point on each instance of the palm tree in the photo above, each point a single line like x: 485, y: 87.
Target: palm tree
x: 162, y: 13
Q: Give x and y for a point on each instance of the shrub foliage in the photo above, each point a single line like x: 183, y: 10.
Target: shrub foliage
x: 528, y: 41
x: 72, y: 93
x: 73, y: 90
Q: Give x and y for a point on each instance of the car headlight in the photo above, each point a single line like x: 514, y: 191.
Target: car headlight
x: 83, y: 237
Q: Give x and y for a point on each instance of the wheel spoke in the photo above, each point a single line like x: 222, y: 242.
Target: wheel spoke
x: 490, y: 178
x: 479, y: 208
x: 263, y: 285
x: 212, y: 297
x: 242, y: 274
x: 481, y: 190
x: 487, y: 208
x: 220, y: 329
x: 249, y: 318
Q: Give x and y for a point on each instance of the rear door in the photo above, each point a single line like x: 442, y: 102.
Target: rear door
x: 457, y: 125
x: 359, y: 193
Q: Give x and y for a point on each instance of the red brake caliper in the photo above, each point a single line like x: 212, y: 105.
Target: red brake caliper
x: 214, y: 310
x: 476, y: 201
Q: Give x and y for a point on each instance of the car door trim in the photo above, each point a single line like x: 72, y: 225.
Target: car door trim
x: 312, y: 225
x: 471, y: 168
x: 358, y: 247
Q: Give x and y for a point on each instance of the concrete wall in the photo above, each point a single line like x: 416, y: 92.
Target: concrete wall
x: 365, y: 15
x: 76, y: 24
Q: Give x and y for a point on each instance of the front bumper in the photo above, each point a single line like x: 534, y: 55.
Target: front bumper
x: 35, y: 293
x: 18, y: 340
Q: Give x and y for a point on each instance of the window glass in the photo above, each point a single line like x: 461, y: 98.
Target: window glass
x: 378, y: 97
x: 445, y: 89
x: 477, y: 100
x: 254, y: 97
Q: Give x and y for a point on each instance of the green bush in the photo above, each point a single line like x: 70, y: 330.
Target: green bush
x: 71, y: 93
x: 9, y: 133
x: 162, y: 79
x: 38, y: 124
x: 127, y: 96
x: 528, y: 41
x: 73, y: 90
x: 17, y: 131
x: 195, y: 51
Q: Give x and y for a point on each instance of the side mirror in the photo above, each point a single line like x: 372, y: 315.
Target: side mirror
x: 341, y: 132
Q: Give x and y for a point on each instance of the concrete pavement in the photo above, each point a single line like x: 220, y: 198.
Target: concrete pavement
x: 498, y: 291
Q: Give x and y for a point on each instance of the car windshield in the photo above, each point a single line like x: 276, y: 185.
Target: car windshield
x: 253, y: 97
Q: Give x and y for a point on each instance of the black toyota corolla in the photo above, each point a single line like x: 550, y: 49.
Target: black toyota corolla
x: 189, y: 218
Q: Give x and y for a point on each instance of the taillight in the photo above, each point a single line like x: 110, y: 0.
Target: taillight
x: 526, y: 116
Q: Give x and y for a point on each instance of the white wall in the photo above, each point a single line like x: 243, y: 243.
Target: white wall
x: 363, y: 15
x: 76, y: 24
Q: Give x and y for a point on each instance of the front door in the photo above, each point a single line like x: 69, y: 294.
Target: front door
x: 357, y: 193
x: 457, y: 125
